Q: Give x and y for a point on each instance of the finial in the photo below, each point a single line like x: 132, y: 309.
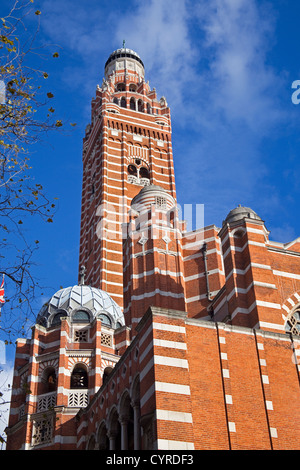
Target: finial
x: 82, y: 274
x: 123, y: 43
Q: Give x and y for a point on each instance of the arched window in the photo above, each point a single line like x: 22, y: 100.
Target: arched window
x: 148, y: 108
x: 120, y: 87
x: 132, y: 104
x: 105, y: 319
x: 144, y: 173
x: 132, y: 87
x: 81, y: 316
x: 140, y: 106
x: 57, y: 318
x: 79, y: 377
x: 114, y: 430
x: 103, y: 440
x: 123, y: 102
x: 91, y: 443
x: 116, y: 100
x: 127, y: 417
x: 107, y: 371
x: 132, y: 170
x: 49, y: 380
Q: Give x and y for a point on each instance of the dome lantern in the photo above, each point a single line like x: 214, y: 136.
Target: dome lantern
x: 124, y: 59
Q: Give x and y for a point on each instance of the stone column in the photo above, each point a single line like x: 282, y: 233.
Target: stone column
x: 124, y: 432
x: 136, y: 425
x: 112, y: 440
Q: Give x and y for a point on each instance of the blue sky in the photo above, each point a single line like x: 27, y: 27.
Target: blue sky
x: 226, y: 68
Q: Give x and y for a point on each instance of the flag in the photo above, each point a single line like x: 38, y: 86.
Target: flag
x: 2, y: 292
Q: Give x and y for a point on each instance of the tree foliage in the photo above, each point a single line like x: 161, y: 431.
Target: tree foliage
x: 26, y: 112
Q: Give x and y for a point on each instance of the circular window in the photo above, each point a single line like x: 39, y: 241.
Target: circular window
x: 293, y: 322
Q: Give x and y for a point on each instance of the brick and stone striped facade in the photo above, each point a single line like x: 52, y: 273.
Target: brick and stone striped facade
x: 197, y: 344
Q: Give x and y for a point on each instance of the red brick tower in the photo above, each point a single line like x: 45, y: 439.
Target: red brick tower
x: 127, y: 146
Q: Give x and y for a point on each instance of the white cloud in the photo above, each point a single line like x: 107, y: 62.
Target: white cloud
x: 238, y: 36
x: 159, y: 32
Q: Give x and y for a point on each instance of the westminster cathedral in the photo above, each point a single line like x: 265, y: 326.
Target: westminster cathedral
x: 171, y: 339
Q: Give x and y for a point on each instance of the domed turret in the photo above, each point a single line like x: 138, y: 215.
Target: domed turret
x: 124, y: 59
x: 240, y: 213
x: 152, y: 195
x: 81, y: 303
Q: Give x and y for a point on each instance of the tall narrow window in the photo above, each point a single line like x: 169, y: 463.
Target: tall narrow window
x: 79, y: 377
x: 132, y: 104
x: 140, y: 106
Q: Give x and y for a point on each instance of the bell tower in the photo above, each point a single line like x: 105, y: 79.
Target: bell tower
x: 127, y: 146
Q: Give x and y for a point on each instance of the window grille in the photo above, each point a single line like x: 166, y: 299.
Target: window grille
x: 46, y: 401
x: 78, y: 398
x: 106, y: 339
x: 81, y: 336
x: 42, y: 431
x: 293, y: 322
x: 21, y: 411
x: 160, y: 202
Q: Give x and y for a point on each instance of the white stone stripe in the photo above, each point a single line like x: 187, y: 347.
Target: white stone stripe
x: 244, y: 271
x: 240, y: 290
x: 167, y: 327
x: 147, y: 368
x: 147, y: 395
x: 259, y: 303
x: 172, y: 388
x: 167, y: 388
x: 145, y: 352
x: 275, y: 326
x: 195, y: 244
x: 179, y: 416
x: 169, y: 344
x: 164, y: 344
x: 198, y: 254
x: 156, y: 291
x: 170, y: 361
x: 165, y: 444
x: 200, y: 297
x: 240, y: 249
x: 65, y: 439
x: 285, y: 274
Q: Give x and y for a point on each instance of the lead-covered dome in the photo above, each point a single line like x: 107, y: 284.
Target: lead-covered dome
x: 240, y: 213
x: 152, y: 195
x: 124, y: 59
x: 81, y: 303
